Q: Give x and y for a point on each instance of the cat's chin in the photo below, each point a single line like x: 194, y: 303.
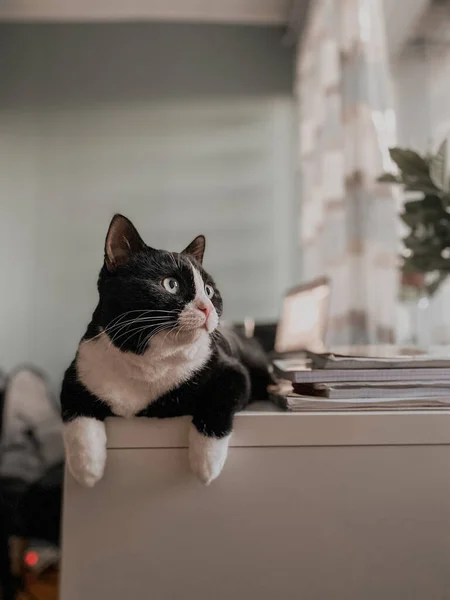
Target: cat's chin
x: 184, y: 336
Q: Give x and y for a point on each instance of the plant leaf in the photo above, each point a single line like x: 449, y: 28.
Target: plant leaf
x: 433, y: 287
x: 389, y: 178
x: 438, y: 168
x: 409, y: 162
x: 421, y: 185
x: 411, y: 218
x: 413, y: 205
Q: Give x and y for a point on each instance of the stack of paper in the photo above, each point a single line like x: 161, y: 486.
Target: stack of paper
x: 367, y: 382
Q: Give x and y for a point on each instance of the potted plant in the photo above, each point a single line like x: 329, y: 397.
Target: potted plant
x: 425, y: 258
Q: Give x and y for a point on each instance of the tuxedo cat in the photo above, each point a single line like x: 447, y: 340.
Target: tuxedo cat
x: 153, y: 349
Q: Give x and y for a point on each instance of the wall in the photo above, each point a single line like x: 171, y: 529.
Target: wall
x: 184, y: 128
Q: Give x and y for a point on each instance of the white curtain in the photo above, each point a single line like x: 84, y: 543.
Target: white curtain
x: 348, y: 227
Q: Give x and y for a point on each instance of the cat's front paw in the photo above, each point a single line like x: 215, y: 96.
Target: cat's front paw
x: 207, y: 455
x: 86, y: 472
x: 85, y: 442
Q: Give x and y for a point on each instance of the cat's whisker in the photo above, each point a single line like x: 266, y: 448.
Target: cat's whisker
x: 179, y: 331
x: 129, y: 312
x: 148, y: 337
x: 216, y: 334
x: 144, y: 312
x: 118, y: 321
x: 126, y: 329
x: 170, y: 330
x: 172, y: 256
x: 95, y: 337
x: 138, y: 331
x: 135, y: 326
x: 155, y: 331
x: 138, y: 326
x: 171, y: 327
x: 136, y: 321
x: 134, y: 330
x: 141, y: 344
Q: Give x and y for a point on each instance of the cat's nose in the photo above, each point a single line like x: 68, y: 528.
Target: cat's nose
x: 205, y: 309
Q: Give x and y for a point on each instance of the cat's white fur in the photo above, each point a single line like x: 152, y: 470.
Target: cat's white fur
x: 128, y: 383
x: 207, y: 455
x: 85, y: 442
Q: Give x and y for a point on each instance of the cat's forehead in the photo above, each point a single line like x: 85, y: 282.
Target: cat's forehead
x: 163, y: 262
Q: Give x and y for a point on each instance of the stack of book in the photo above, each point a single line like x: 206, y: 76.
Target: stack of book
x: 372, y: 380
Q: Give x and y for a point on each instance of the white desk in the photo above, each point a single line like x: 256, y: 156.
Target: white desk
x: 309, y: 507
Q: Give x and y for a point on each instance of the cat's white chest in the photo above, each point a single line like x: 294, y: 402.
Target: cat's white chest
x: 127, y: 382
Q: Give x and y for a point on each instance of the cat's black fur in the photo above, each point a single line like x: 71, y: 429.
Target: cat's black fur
x: 235, y: 372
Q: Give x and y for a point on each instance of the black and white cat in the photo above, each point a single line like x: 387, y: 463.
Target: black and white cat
x: 153, y: 349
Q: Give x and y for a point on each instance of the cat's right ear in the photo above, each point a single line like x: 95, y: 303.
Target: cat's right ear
x: 122, y: 241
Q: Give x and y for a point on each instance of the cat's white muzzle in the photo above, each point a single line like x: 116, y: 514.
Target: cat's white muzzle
x: 193, y: 318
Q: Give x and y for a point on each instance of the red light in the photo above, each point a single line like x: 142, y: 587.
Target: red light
x: 31, y: 559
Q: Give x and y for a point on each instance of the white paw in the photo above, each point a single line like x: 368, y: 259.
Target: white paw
x: 86, y: 473
x: 207, y: 455
x: 85, y: 442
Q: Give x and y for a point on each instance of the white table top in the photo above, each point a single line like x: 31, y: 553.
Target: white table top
x: 274, y: 429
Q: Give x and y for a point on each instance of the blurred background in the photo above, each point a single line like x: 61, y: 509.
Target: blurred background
x: 185, y: 128
x: 263, y: 124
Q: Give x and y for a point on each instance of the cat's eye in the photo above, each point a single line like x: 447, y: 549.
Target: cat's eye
x: 171, y: 285
x: 209, y: 291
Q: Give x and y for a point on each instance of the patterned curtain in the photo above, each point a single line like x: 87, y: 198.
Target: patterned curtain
x: 348, y: 226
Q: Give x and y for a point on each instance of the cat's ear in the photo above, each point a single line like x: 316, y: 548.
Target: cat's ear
x: 122, y: 241
x: 196, y: 248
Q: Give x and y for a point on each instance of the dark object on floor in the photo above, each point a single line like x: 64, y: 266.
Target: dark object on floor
x: 32, y: 428
x: 31, y: 467
x: 8, y: 585
x: 41, y: 506
x: 44, y: 587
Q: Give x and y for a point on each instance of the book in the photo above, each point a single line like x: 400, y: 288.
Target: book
x: 297, y: 372
x: 283, y: 396
x: 379, y: 357
x: 394, y: 390
x: 304, y: 404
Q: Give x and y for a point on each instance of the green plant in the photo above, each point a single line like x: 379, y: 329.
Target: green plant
x: 427, y: 245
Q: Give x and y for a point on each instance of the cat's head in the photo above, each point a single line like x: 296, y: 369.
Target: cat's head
x: 145, y: 292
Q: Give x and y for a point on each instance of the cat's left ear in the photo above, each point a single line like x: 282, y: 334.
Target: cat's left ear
x: 196, y: 248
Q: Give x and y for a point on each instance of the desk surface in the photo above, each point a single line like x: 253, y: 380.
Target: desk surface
x: 309, y: 506
x: 277, y: 429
